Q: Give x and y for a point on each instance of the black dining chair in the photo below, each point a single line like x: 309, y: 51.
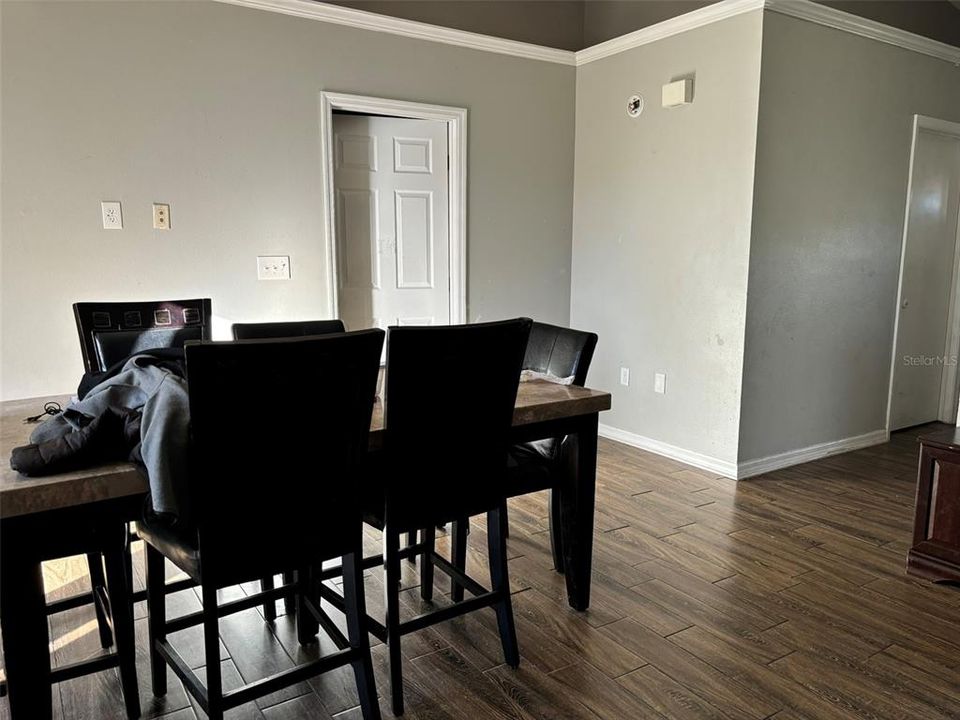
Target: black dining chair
x: 278, y: 491
x: 450, y: 395
x: 270, y: 330
x: 295, y: 328
x: 77, y: 535
x: 110, y: 332
x: 563, y: 355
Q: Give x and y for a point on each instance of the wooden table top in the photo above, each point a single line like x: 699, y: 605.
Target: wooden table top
x: 537, y: 401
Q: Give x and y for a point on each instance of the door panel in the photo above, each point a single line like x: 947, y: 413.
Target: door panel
x: 414, y: 238
x: 392, y: 211
x: 928, y: 268
x: 360, y: 260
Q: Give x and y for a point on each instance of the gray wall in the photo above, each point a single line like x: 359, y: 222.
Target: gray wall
x: 661, y: 231
x: 833, y: 155
x: 214, y: 109
x: 554, y: 23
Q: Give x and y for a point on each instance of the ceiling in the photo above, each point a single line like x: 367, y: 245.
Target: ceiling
x: 576, y: 24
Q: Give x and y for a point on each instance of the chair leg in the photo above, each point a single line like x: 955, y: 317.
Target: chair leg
x: 458, y: 554
x: 429, y: 536
x: 411, y: 540
x: 289, y: 602
x: 355, y: 611
x: 157, y: 618
x: 95, y: 564
x: 391, y: 557
x: 211, y: 648
x: 307, y: 625
x: 500, y: 583
x: 504, y: 521
x: 269, y: 607
x: 128, y: 557
x: 121, y: 608
x: 556, y: 531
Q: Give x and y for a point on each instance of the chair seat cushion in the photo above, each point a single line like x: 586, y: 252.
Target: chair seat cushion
x: 175, y: 542
x: 531, y: 467
x: 456, y: 501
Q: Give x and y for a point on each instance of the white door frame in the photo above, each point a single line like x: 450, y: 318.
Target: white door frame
x: 948, y: 385
x: 456, y: 120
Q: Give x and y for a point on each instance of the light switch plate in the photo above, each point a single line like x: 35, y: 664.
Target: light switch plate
x: 161, y: 216
x: 112, y: 215
x: 659, y: 383
x: 273, y: 267
x: 624, y: 376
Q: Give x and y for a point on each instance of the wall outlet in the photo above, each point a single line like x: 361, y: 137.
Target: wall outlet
x: 161, y: 216
x: 112, y: 216
x: 624, y: 376
x: 273, y: 267
x: 659, y: 383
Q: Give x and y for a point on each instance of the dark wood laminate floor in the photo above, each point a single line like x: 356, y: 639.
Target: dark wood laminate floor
x: 779, y: 597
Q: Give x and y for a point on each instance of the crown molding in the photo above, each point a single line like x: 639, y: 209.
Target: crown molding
x: 839, y: 20
x: 688, y: 21
x: 407, y: 28
x: 801, y: 9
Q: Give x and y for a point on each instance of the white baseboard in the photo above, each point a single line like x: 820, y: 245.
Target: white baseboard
x: 749, y: 468
x: 697, y: 460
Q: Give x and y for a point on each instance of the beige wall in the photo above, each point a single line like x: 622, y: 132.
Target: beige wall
x: 214, y: 109
x: 662, y: 229
x: 833, y: 155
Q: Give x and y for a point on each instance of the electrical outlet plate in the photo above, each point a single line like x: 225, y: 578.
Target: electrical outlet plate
x: 624, y: 376
x: 161, y: 216
x: 660, y: 383
x: 112, y: 215
x: 273, y: 267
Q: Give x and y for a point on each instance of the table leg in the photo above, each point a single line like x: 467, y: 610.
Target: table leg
x: 23, y: 620
x: 576, y: 513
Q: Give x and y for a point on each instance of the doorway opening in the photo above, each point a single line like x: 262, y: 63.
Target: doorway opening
x: 923, y: 378
x: 394, y: 183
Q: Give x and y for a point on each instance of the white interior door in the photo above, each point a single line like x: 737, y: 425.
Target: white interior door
x: 924, y: 363
x: 392, y: 205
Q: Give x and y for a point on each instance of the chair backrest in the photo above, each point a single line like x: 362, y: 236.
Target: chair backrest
x: 110, y: 331
x: 450, y: 396
x: 250, y: 331
x: 560, y: 351
x: 278, y: 431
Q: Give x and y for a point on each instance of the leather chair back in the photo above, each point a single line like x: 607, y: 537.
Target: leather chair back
x: 250, y: 331
x: 450, y: 395
x: 111, y: 331
x: 560, y: 351
x: 279, y: 428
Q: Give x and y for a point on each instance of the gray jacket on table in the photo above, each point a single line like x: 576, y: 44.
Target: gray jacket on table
x: 161, y: 397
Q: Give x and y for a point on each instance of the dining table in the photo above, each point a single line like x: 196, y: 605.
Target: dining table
x: 35, y: 510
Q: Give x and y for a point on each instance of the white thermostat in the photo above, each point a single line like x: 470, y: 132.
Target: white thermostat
x: 677, y: 93
x: 635, y: 106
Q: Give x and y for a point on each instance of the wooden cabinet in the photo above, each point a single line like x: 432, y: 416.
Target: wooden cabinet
x: 935, y: 554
